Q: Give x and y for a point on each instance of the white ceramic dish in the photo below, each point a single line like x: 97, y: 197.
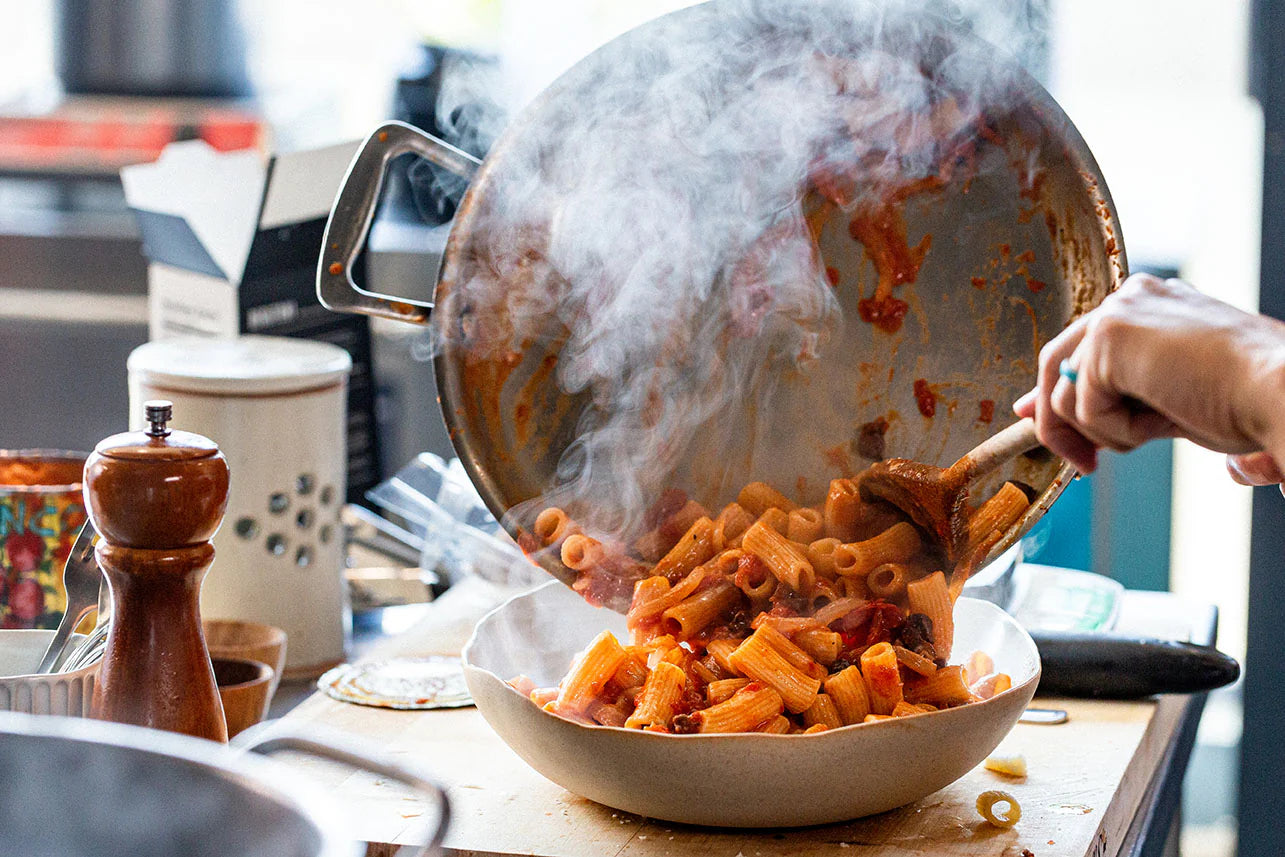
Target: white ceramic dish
x: 734, y: 780
x: 66, y: 694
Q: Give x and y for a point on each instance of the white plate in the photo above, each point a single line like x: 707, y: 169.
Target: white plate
x: 749, y: 780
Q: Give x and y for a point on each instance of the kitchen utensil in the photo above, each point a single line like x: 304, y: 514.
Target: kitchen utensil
x: 81, y: 579
x: 1117, y: 666
x: 89, y: 649
x: 141, y: 792
x: 157, y: 497
x: 1007, y: 256
x: 719, y: 780
x: 276, y: 407
x: 245, y: 687
x: 40, y: 510
x: 255, y: 641
x: 67, y: 692
x: 934, y: 498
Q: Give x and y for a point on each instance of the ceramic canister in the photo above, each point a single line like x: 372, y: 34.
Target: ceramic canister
x: 276, y: 407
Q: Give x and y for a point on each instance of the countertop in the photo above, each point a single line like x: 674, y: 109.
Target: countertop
x: 1095, y: 786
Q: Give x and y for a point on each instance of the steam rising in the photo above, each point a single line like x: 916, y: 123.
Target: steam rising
x: 656, y: 223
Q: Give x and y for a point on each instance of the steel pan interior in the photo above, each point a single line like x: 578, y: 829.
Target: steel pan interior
x: 1047, y: 251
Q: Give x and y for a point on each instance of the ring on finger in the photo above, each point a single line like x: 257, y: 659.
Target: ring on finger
x: 1067, y: 371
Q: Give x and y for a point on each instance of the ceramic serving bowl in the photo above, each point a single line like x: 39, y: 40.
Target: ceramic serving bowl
x: 751, y: 780
x: 67, y: 694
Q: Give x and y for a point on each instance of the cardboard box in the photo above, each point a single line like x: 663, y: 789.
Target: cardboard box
x: 232, y: 241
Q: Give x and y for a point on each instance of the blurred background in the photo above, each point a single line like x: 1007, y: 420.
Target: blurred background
x: 1161, y: 89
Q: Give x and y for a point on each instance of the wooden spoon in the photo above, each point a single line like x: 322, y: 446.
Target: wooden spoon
x: 934, y: 497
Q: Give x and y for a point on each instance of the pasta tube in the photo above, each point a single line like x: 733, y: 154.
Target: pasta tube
x: 694, y: 548
x: 730, y: 526
x: 721, y: 652
x: 803, y: 525
x: 778, y: 725
x: 842, y: 510
x: 687, y: 618
x: 821, y: 554
x: 759, y: 660
x: 883, y: 678
x: 944, y: 688
x: 777, y: 519
x: 607, y: 714
x: 798, y: 658
x: 847, y: 690
x: 553, y: 525
x: 658, y: 599
x: 997, y: 514
x: 663, y: 690
x: 581, y: 552
x: 824, y: 712
x: 898, y: 543
x: 888, y: 580
x: 822, y: 644
x: 930, y: 596
x: 757, y: 497
x: 786, y: 562
x: 747, y: 708
x: 718, y: 691
x: 589, y: 673
x: 753, y: 577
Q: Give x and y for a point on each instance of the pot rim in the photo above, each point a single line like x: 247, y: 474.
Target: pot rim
x: 259, y: 775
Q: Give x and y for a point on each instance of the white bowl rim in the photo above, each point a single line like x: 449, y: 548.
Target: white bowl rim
x: 27, y: 677
x: 828, y: 734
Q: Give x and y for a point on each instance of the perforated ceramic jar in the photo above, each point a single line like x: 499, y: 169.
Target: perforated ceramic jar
x: 277, y: 409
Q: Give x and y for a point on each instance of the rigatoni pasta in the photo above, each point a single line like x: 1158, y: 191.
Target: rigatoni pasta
x: 771, y: 617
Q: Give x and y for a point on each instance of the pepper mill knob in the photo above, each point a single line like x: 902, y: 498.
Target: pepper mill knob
x: 156, y: 489
x: 158, y: 413
x: 157, y: 497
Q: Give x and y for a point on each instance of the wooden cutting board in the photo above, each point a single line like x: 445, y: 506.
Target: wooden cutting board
x: 1085, y: 783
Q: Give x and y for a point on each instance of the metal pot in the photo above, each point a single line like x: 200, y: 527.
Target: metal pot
x: 76, y: 788
x: 1018, y: 250
x: 192, y: 48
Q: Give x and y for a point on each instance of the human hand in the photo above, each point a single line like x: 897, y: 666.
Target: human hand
x: 1256, y: 468
x: 1159, y: 359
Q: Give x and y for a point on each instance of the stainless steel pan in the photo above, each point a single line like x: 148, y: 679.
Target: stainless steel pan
x: 75, y: 788
x: 1023, y: 240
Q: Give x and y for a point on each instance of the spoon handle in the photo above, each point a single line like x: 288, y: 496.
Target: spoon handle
x: 997, y: 449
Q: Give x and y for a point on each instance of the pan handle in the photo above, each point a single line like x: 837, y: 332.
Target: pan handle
x: 268, y: 738
x: 354, y: 210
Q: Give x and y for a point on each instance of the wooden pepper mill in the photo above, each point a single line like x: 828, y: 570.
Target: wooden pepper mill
x: 157, y: 498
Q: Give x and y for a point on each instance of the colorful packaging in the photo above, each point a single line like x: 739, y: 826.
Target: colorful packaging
x: 41, y: 512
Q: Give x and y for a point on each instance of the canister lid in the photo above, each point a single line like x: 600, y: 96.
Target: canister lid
x: 245, y: 365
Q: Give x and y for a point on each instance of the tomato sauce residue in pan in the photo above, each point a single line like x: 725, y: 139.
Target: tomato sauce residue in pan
x: 870, y: 439
x: 882, y: 230
x: 925, y: 398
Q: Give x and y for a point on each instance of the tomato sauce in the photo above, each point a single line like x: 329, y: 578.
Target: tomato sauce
x: 925, y: 398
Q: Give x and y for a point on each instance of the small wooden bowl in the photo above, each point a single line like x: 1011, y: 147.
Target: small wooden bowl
x: 233, y: 638
x: 244, y: 687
